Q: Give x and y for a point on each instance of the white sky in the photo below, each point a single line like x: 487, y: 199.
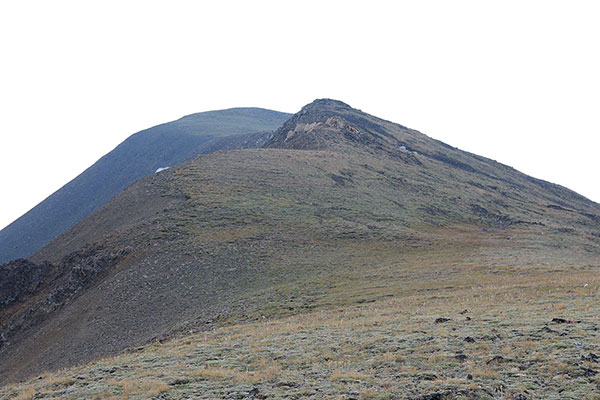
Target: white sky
x: 516, y: 81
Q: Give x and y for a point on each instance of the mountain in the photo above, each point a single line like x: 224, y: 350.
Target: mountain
x: 140, y: 155
x: 338, y: 210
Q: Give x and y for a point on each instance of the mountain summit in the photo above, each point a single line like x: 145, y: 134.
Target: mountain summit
x: 338, y: 208
x: 327, y: 123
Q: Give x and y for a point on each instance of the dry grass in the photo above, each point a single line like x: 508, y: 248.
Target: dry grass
x: 485, y: 373
x: 388, y: 349
x: 25, y: 394
x: 228, y: 374
x: 132, y: 388
x: 373, y: 332
x: 348, y: 376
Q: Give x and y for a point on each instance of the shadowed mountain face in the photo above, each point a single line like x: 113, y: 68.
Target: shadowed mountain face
x: 140, y: 155
x: 335, y: 197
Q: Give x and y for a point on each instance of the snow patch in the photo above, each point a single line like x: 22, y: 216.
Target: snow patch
x: 160, y: 169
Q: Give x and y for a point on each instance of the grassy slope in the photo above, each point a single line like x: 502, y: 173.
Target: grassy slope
x: 345, y: 257
x: 253, y: 243
x: 385, y: 343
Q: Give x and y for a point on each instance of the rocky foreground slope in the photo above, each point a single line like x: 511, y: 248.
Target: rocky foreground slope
x: 481, y: 333
x: 339, y: 209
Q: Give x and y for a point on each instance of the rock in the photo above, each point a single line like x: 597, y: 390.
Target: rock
x: 463, y: 312
x: 469, y: 339
x: 461, y: 357
x: 564, y: 321
x: 426, y: 376
x: 587, y: 372
x: 179, y: 381
x: 497, y: 360
x: 286, y: 384
x: 20, y: 279
x: 50, y: 285
x: 442, y: 320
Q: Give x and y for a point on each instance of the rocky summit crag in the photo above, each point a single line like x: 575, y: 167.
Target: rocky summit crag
x: 341, y: 213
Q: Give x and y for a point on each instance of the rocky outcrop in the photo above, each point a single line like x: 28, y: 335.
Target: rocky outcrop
x: 30, y: 292
x: 327, y: 124
x: 19, y: 279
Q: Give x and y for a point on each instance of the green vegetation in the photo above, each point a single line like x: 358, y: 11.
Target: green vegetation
x: 331, y: 264
x: 499, y: 342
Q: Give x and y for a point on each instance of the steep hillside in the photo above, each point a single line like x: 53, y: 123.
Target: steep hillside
x: 340, y: 208
x: 140, y: 155
x: 444, y: 328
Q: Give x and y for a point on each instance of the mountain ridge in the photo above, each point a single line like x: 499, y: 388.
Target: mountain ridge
x: 320, y: 112
x: 139, y: 155
x: 238, y: 235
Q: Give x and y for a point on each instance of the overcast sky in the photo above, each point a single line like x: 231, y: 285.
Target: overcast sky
x: 515, y: 81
